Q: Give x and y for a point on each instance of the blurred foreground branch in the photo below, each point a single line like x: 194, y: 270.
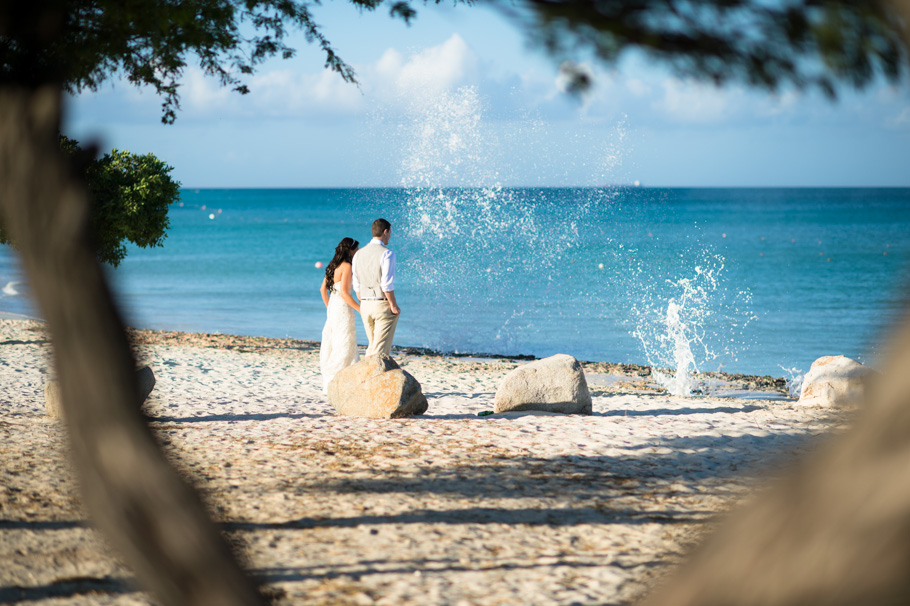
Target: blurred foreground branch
x: 836, y: 531
x: 803, y: 44
x: 154, y: 520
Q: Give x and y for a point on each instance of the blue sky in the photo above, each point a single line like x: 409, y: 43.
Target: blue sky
x: 459, y: 98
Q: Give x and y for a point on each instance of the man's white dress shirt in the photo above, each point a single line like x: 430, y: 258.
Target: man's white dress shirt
x: 386, y: 265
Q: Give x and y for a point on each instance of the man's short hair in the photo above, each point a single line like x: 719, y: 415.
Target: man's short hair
x: 379, y: 227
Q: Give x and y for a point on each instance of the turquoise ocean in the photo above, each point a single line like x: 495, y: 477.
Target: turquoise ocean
x: 759, y: 281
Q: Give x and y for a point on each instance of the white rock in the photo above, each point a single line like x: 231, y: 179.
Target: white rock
x: 376, y: 388
x: 554, y: 384
x: 835, y: 381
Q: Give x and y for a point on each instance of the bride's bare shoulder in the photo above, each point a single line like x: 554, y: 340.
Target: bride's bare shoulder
x: 342, y: 269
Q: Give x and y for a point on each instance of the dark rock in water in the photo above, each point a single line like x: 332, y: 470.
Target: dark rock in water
x: 377, y: 388
x: 554, y: 384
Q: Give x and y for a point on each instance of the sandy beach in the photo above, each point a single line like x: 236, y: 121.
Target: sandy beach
x: 448, y: 508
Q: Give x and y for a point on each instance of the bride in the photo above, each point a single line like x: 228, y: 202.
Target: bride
x: 339, y: 337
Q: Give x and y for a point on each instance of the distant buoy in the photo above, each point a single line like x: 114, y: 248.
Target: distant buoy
x: 212, y: 216
x: 318, y: 264
x: 601, y: 266
x: 723, y: 235
x: 203, y: 207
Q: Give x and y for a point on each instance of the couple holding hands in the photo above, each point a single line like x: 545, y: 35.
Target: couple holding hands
x: 371, y: 272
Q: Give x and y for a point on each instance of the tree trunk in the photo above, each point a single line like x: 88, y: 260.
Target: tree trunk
x: 155, y: 520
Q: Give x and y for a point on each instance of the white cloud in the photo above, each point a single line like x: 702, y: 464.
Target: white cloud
x: 888, y: 93
x: 694, y: 102
x: 278, y: 93
x: 776, y: 105
x: 901, y: 120
x: 397, y: 83
x: 435, y: 70
x: 290, y: 93
x: 389, y: 82
x: 198, y: 91
x: 638, y: 87
x: 391, y: 85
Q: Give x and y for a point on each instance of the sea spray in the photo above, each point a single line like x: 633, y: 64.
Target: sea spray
x: 679, y: 383
x: 496, y: 266
x: 669, y: 340
x: 794, y: 380
x: 688, y: 323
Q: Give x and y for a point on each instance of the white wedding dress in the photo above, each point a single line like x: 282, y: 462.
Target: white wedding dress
x: 339, y: 338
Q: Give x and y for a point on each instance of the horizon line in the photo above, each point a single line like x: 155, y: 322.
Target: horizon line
x: 607, y: 186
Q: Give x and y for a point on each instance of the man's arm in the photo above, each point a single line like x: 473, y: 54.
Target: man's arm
x: 387, y: 264
x: 393, y: 304
x: 354, y: 281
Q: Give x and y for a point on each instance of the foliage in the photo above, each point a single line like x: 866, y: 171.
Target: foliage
x: 804, y: 43
x: 130, y: 193
x: 150, y: 41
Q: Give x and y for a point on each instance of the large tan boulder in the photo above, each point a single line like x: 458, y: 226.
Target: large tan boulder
x: 144, y: 376
x: 376, y: 388
x: 554, y: 384
x: 835, y: 381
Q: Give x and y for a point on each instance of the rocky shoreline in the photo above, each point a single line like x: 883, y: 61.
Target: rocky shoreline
x: 758, y: 383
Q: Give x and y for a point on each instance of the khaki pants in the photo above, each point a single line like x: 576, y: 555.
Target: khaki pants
x: 380, y: 323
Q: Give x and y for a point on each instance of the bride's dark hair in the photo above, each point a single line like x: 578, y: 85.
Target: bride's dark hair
x: 344, y: 253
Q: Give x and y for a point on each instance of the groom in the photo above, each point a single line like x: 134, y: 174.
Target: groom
x: 374, y: 283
